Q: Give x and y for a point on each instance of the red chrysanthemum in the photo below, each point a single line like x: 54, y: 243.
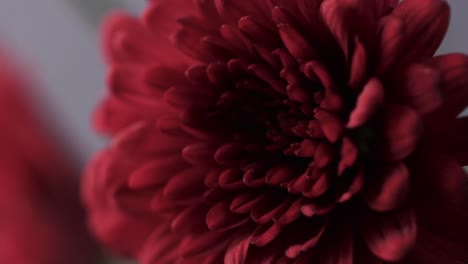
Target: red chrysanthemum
x: 41, y: 220
x: 282, y: 131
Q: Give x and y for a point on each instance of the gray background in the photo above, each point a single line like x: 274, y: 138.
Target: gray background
x: 58, y: 38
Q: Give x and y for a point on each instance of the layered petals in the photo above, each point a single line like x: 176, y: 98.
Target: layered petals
x: 287, y: 132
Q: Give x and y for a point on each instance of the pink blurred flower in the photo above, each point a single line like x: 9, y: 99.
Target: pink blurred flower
x: 41, y: 219
x: 282, y: 131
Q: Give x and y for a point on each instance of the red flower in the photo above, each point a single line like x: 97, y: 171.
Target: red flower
x: 41, y: 220
x: 281, y: 131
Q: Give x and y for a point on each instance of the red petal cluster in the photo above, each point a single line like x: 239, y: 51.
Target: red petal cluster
x: 282, y: 131
x: 41, y: 220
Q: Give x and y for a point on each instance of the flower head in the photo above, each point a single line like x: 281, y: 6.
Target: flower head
x: 41, y: 220
x: 282, y: 132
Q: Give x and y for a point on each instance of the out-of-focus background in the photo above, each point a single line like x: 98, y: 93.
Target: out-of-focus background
x: 58, y: 38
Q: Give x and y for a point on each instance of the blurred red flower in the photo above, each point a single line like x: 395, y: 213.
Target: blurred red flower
x: 42, y: 220
x: 277, y: 131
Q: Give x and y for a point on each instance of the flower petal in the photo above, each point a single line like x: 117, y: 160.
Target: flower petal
x: 161, y: 77
x: 127, y: 40
x: 315, y: 68
x: 266, y: 233
x: 368, y: 102
x: 244, y: 202
x: 144, y: 138
x: 390, y: 236
x: 310, y: 12
x: 266, y: 74
x: 426, y: 22
x: 112, y: 115
x: 318, y: 187
x: 324, y: 154
x: 127, y: 83
x: 348, y: 19
x: 116, y: 43
x: 419, y: 87
x: 161, y: 16
x: 306, y: 148
x: 358, y: 65
x: 349, y: 154
x: 238, y: 41
x: 179, y: 96
x: 391, y: 189
x: 118, y: 229
x: 160, y: 245
x: 198, y: 244
x: 192, y: 219
x: 230, y: 154
x: 258, y: 33
x: 453, y: 70
x: 189, y: 42
x: 296, y: 44
x: 330, y: 123
x: 401, y: 131
x: 231, y: 179
x: 186, y: 184
x: 333, y: 17
x: 199, y: 153
x: 207, y: 10
x: 231, y: 11
x: 264, y: 211
x: 391, y: 37
x: 280, y: 174
x: 313, y: 234
x: 221, y: 218
x: 354, y: 188
x: 237, y: 250
x: 292, y: 213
